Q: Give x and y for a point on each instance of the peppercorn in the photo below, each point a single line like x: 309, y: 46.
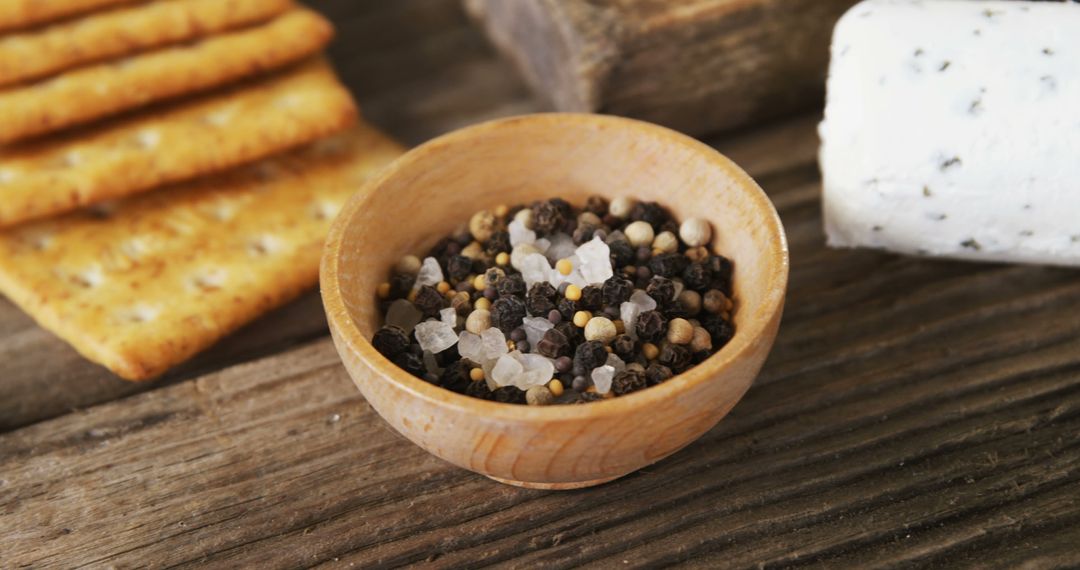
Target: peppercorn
x: 597, y: 205
x: 665, y: 242
x: 541, y: 299
x: 584, y: 233
x: 640, y: 234
x: 601, y: 329
x: 589, y: 355
x: 574, y: 335
x: 563, y: 364
x: 461, y: 303
x: 643, y: 254
x: 580, y: 383
x: 554, y: 316
x: 592, y: 298
x: 474, y: 251
x: 482, y: 225
x: 457, y: 376
x: 621, y: 252
x: 697, y: 254
x: 492, y: 277
x: 390, y: 341
x: 697, y: 277
x: 539, y: 396
x: 628, y: 381
x: 680, y: 331
x: 721, y: 268
x: 409, y: 265
x: 668, y: 264
x: 482, y: 304
x: 695, y: 232
x: 650, y: 351
x: 554, y: 344
x: 547, y: 217
x: 499, y: 242
x: 674, y: 356
x: 458, y: 267
x: 584, y: 397
x: 650, y: 212
x: 662, y: 290
x: 621, y: 207
x: 479, y: 390
x: 429, y: 301
x: 511, y: 285
x: 502, y: 259
x: 567, y: 308
x: 508, y: 395
x: 411, y: 363
x: 650, y: 326
x: 581, y: 318
x: 518, y: 334
x: 701, y: 341
x: 617, y: 290
x: 523, y: 346
x: 716, y: 302
x: 400, y: 285
x: 719, y: 329
x: 439, y: 249
x: 690, y: 302
x: 625, y: 347
x: 507, y: 313
x: 657, y: 373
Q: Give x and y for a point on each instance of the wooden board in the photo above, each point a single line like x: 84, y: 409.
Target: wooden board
x: 913, y: 411
x: 699, y: 66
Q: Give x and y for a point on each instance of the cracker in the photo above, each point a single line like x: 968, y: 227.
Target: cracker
x: 91, y: 93
x: 15, y: 14
x: 194, y: 138
x: 145, y: 284
x: 124, y: 31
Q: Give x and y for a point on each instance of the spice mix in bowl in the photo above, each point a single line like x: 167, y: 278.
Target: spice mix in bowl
x: 556, y: 259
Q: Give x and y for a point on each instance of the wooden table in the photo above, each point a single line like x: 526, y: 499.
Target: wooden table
x: 912, y: 411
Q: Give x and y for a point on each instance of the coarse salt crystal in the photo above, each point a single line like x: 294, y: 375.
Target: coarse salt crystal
x: 435, y: 336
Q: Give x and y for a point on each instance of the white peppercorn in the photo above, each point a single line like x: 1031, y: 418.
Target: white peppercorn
x: 665, y: 242
x: 680, y: 331
x: 473, y: 251
x: 639, y: 233
x: 716, y: 301
x: 478, y: 321
x: 539, y: 396
x: 695, y: 232
x: 621, y: 207
x: 690, y: 301
x: 701, y: 340
x: 525, y: 217
x: 589, y: 218
x: 408, y: 265
x: 601, y: 329
x: 482, y: 225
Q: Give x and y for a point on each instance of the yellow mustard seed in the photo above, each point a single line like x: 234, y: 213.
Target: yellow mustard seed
x: 383, y: 291
x: 412, y: 296
x: 573, y: 292
x: 501, y: 210
x: 476, y: 374
x: 650, y: 350
x: 581, y: 318
x: 479, y: 283
x: 502, y: 259
x: 482, y: 303
x: 564, y: 266
x: 511, y: 345
x: 442, y: 287
x: 556, y: 387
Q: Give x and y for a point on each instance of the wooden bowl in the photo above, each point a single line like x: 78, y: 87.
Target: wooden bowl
x: 436, y: 187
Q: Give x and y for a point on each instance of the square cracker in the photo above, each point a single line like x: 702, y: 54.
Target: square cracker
x: 148, y: 282
x: 16, y: 14
x: 197, y: 137
x: 89, y: 93
x: 124, y: 31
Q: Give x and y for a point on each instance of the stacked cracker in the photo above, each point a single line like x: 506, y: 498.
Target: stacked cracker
x: 168, y: 168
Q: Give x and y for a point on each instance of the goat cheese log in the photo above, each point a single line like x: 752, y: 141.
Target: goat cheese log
x: 952, y: 128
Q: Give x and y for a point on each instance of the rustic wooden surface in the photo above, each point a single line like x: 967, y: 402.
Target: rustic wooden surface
x: 913, y: 411
x: 699, y: 66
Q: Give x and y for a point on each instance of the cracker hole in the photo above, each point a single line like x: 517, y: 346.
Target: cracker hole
x: 208, y: 280
x: 263, y: 245
x: 139, y: 314
x: 324, y: 210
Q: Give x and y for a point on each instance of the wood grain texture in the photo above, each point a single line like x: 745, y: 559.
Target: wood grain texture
x: 913, y: 413
x: 698, y: 66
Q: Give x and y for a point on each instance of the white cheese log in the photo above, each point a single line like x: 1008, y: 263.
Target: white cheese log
x: 952, y: 128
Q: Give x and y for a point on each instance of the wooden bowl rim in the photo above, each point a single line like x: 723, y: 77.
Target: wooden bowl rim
x: 743, y: 341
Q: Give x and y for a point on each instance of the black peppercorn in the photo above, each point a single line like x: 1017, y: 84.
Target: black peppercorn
x: 567, y: 308
x: 411, y: 363
x: 390, y: 341
x: 650, y: 326
x: 574, y: 335
x: 583, y: 233
x: 498, y: 243
x: 652, y: 213
x: 597, y: 205
x: 674, y: 356
x: 554, y: 344
x: 400, y: 285
x: 697, y: 277
x: 455, y: 377
x: 479, y: 390
x: 627, y: 381
x: 657, y: 373
x: 439, y: 249
x: 589, y: 355
x: 617, y: 290
x: 429, y: 301
x: 511, y: 285
x: 541, y: 299
x: 721, y: 269
x: 458, y: 267
x: 719, y: 330
x: 621, y: 252
x: 662, y: 290
x: 592, y: 298
x: 584, y: 397
x: 624, y: 347
x: 493, y: 276
x: 580, y: 383
x: 548, y: 217
x: 668, y: 264
x: 507, y: 313
x: 508, y: 395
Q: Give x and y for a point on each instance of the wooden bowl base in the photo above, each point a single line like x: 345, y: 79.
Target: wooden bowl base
x: 564, y: 486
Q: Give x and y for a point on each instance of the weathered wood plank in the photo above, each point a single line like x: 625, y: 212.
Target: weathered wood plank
x: 956, y: 423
